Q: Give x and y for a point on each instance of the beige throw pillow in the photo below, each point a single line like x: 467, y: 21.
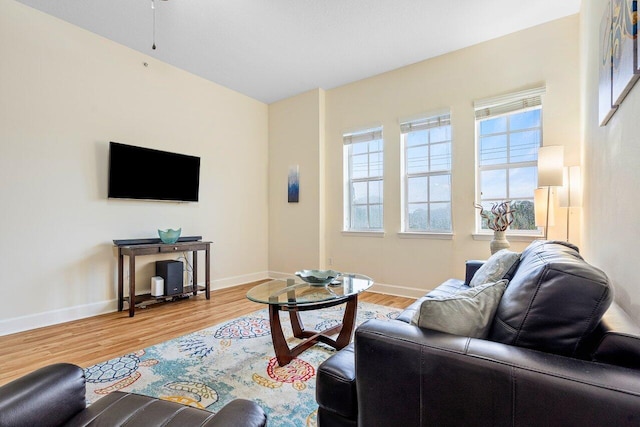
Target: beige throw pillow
x: 468, y: 313
x: 495, y: 268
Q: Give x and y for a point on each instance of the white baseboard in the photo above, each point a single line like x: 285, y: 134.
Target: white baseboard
x: 238, y: 280
x: 276, y: 275
x: 399, y: 291
x: 54, y: 317
x: 48, y: 318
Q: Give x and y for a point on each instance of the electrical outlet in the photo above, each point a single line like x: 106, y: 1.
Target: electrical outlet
x: 330, y: 261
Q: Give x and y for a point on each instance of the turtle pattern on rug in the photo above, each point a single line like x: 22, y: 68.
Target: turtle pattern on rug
x: 235, y: 359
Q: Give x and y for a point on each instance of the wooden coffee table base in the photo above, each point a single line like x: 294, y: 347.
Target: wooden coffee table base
x: 284, y: 354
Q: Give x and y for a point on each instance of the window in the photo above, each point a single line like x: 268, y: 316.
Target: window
x: 363, y: 164
x: 426, y: 192
x: 509, y: 134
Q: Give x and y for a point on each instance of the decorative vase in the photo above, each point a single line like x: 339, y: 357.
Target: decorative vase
x: 499, y: 242
x: 169, y: 236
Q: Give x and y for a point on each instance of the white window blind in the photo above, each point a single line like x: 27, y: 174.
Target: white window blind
x: 426, y: 123
x: 362, y: 136
x: 496, y: 106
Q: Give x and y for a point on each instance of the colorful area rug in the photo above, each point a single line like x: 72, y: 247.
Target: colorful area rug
x: 209, y: 368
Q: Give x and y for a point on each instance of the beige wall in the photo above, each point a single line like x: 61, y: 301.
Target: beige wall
x: 296, y: 230
x: 64, y: 94
x: 544, y: 55
x: 611, y: 174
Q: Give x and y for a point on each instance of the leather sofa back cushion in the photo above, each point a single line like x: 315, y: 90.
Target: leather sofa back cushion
x: 554, y: 300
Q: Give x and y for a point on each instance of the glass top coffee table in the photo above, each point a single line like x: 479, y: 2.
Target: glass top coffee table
x: 294, y: 295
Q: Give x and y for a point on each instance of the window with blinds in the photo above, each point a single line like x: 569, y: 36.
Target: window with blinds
x: 508, y: 136
x: 364, y: 166
x: 426, y: 151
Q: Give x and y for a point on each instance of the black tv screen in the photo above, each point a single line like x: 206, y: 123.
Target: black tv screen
x: 144, y: 173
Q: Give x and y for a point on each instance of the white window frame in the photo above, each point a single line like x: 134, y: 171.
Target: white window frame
x: 427, y: 122
x: 491, y: 108
x: 349, y: 140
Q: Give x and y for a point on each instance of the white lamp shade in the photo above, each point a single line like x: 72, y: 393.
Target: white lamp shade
x: 570, y: 194
x: 541, y: 199
x: 550, y: 166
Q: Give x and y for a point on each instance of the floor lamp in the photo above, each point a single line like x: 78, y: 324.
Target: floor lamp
x: 570, y: 195
x: 550, y: 167
x: 543, y: 209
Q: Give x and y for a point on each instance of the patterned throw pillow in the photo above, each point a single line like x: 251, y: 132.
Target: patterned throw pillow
x: 495, y: 268
x: 468, y: 313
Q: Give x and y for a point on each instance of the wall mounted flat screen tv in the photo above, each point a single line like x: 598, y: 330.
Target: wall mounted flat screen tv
x: 144, y: 173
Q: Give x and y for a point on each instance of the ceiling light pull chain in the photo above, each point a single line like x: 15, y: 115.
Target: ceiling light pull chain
x: 153, y: 7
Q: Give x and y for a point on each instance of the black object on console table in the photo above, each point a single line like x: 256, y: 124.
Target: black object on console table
x: 132, y: 250
x: 126, y: 242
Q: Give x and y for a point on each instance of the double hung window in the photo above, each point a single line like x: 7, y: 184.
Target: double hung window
x: 426, y: 184
x: 509, y: 134
x: 364, y: 170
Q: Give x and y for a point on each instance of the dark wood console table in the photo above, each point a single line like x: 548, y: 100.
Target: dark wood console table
x: 132, y: 251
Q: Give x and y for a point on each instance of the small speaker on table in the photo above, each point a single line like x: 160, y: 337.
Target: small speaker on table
x: 172, y: 273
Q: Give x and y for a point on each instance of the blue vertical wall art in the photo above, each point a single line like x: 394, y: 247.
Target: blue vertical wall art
x: 294, y: 184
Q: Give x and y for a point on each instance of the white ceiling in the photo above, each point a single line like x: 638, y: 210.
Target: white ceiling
x: 273, y: 49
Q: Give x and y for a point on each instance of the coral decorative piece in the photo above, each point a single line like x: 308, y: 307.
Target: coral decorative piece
x: 499, y: 218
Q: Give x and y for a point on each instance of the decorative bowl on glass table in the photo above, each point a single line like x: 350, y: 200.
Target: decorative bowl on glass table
x: 318, y: 277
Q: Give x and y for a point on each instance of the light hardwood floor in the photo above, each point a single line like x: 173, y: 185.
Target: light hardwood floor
x: 89, y: 341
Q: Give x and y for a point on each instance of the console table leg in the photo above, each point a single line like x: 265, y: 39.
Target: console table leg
x: 194, y: 257
x: 132, y: 285
x: 120, y: 280
x: 207, y: 270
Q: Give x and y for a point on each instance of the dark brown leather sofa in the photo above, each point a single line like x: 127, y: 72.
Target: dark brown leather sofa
x: 55, y: 396
x: 559, y: 353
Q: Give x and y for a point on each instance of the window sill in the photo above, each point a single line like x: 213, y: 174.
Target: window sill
x: 511, y: 237
x: 425, y: 235
x: 354, y: 233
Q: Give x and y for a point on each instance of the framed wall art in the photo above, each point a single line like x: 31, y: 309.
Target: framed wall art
x: 624, y: 32
x: 618, y: 56
x: 293, y: 187
x: 606, y: 108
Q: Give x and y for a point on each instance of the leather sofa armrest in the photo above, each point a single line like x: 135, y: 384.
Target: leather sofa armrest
x: 618, y: 338
x: 50, y: 396
x: 471, y: 266
x: 415, y: 377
